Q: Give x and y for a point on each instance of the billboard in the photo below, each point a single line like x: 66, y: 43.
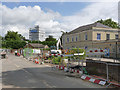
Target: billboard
x: 34, y: 30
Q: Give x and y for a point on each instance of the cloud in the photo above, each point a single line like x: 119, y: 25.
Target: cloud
x: 22, y: 18
x: 92, y: 13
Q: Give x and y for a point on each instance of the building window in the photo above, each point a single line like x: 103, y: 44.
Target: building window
x: 116, y: 36
x: 98, y: 36
x: 76, y: 38
x: 72, y: 39
x: 86, y: 47
x: 68, y: 40
x: 107, y: 36
x: 86, y: 36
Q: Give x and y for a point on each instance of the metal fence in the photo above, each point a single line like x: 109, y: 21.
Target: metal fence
x: 107, y: 70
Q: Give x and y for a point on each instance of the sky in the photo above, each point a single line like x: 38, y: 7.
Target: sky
x: 53, y: 17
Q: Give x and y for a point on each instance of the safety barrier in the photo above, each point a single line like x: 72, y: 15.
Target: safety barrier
x: 36, y: 61
x: 54, y: 54
x: 85, y: 77
x: 66, y: 69
x: 97, y: 81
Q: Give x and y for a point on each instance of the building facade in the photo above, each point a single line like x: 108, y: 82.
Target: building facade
x: 92, y: 36
x: 36, y: 34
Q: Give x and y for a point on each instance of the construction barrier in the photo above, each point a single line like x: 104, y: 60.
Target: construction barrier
x: 66, y: 69
x: 54, y: 54
x: 36, y: 61
x: 97, y: 81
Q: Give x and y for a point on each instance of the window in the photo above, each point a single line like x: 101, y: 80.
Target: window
x: 107, y: 36
x: 86, y: 47
x: 86, y: 36
x: 98, y: 36
x: 76, y: 38
x: 116, y: 36
x: 72, y: 39
x: 67, y: 39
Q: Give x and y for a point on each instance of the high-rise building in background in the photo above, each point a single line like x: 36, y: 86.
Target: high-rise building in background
x: 36, y: 34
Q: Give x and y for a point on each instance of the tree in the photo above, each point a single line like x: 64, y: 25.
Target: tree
x: 109, y: 23
x: 11, y: 35
x: 13, y: 40
x: 49, y: 43
x: 50, y: 38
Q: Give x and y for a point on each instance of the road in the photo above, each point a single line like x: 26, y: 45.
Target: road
x: 18, y: 72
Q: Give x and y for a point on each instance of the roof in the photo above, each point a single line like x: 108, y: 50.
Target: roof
x: 37, y: 45
x: 88, y: 27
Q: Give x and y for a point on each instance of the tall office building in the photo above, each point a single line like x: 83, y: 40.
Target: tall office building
x: 36, y: 34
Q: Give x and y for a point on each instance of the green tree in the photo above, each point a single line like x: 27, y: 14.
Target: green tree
x: 109, y: 22
x: 13, y: 40
x: 49, y: 43
x: 50, y: 38
x: 11, y: 35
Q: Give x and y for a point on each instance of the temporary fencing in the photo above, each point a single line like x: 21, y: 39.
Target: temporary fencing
x: 91, y: 79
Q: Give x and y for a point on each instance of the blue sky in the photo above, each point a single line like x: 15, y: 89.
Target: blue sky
x: 65, y: 16
x: 64, y: 8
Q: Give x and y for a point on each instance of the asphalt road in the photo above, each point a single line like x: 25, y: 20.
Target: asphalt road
x: 17, y: 72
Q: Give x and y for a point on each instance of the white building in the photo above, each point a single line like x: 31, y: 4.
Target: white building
x: 36, y: 34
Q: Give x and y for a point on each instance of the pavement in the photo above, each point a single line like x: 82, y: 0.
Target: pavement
x: 18, y: 72
x: 105, y: 59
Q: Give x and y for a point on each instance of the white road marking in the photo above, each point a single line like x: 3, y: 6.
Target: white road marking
x: 49, y: 86
x: 27, y: 72
x: 17, y: 66
x: 23, y: 69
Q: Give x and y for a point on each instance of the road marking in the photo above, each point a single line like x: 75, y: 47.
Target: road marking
x: 27, y: 72
x: 49, y: 86
x: 23, y: 69
x: 17, y: 66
